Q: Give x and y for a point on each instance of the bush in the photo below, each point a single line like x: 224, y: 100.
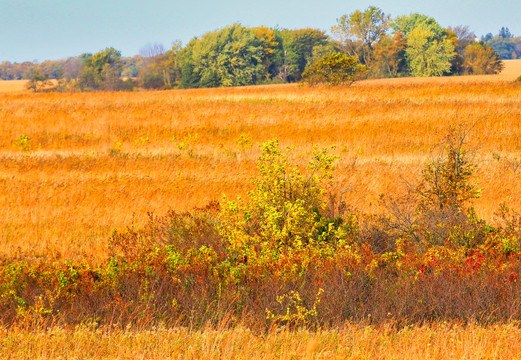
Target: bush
x: 286, y: 208
x: 38, y: 81
x: 333, y: 70
x: 281, y: 257
x: 438, y: 210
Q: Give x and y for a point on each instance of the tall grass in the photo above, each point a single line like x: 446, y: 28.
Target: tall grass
x: 74, y: 167
x: 87, y: 250
x: 441, y: 341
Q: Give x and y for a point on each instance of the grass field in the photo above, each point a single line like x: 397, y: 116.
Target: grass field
x: 74, y: 167
x: 354, y: 342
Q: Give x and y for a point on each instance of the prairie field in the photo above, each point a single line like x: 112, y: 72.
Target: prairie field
x: 76, y: 166
x: 102, y: 256
x: 441, y: 341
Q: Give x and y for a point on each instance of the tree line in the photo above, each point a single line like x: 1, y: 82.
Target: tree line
x: 408, y: 45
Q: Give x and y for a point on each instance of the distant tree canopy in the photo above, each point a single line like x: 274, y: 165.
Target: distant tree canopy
x: 429, y: 51
x: 298, y: 47
x: 101, y: 70
x: 408, y: 23
x: 232, y: 56
x: 408, y: 45
x: 505, y: 44
x: 360, y: 30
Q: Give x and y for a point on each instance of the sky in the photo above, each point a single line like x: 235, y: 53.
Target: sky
x: 38, y: 30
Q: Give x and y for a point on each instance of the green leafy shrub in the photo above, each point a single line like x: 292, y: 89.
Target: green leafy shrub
x: 287, y: 208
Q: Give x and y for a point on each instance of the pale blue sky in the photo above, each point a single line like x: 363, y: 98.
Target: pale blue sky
x: 55, y: 29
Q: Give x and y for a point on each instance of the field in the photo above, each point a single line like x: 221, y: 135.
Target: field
x: 77, y: 168
x: 353, y: 342
x: 74, y: 167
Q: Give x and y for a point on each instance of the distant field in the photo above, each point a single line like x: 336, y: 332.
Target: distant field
x: 512, y: 71
x: 74, y: 167
x: 12, y: 85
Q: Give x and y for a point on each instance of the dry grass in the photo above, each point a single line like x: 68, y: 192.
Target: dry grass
x: 7, y: 86
x: 74, y: 167
x: 439, y: 341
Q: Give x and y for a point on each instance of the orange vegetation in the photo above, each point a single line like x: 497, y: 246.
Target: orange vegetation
x: 12, y: 85
x: 74, y: 167
x: 438, y: 341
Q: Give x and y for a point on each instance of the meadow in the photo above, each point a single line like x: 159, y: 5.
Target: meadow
x: 75, y: 167
x: 89, y: 182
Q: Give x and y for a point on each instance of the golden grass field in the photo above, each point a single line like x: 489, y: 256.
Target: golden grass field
x: 439, y: 341
x: 76, y: 166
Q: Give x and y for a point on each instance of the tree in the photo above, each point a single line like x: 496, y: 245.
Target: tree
x: 101, y: 70
x: 333, y: 69
x: 505, y: 33
x: 481, y: 59
x: 505, y: 44
x: 231, y: 56
x: 298, y: 46
x: 368, y: 27
x: 407, y: 23
x: 287, y: 208
x: 152, y: 50
x: 487, y: 37
x: 461, y: 37
x: 426, y: 55
x: 429, y: 51
x: 163, y: 70
x: 438, y: 210
x: 38, y: 81
x: 271, y: 50
x: 389, y: 57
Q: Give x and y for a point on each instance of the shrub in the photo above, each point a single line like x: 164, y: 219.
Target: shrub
x: 333, y: 70
x: 437, y: 211
x: 287, y: 208
x: 38, y: 81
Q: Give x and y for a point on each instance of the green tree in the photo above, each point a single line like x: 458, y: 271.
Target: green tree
x: 271, y: 44
x: 367, y: 27
x: 298, y: 48
x: 407, y: 23
x: 287, y: 208
x: 232, y: 56
x: 429, y: 51
x: 506, y: 48
x: 333, y: 69
x: 101, y: 70
x: 426, y: 53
